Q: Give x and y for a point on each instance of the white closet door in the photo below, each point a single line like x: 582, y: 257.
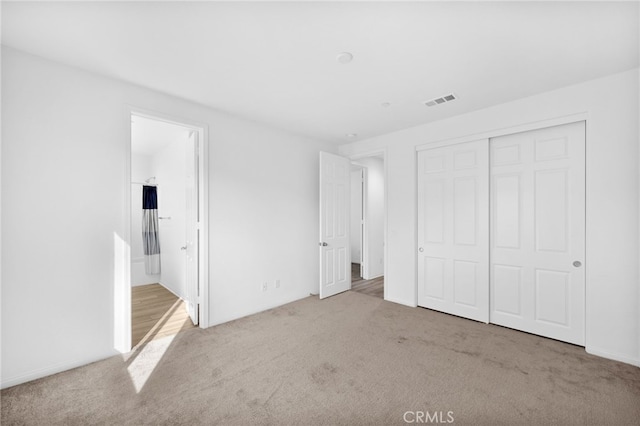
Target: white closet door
x: 453, y: 235
x: 538, y: 232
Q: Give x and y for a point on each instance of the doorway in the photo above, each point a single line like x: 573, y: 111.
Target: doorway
x: 168, y: 221
x: 337, y: 241
x: 368, y: 225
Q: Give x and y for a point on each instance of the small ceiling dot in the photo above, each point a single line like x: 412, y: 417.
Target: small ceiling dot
x: 351, y: 135
x: 345, y: 57
x: 385, y: 104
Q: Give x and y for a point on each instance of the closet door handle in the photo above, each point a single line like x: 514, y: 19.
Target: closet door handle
x: 183, y: 248
x: 420, y: 249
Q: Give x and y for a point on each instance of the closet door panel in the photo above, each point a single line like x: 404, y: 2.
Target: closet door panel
x: 538, y: 231
x: 453, y: 275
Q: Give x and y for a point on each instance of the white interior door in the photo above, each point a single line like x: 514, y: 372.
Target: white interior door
x: 453, y: 235
x: 192, y: 229
x: 538, y: 231
x: 335, y: 253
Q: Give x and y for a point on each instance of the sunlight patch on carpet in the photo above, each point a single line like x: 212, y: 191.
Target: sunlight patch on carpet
x: 146, y: 361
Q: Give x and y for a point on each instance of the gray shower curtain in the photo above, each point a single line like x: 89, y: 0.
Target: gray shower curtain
x: 150, y: 238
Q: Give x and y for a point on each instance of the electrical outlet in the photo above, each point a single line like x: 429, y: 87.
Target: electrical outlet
x: 265, y: 286
x: 277, y: 283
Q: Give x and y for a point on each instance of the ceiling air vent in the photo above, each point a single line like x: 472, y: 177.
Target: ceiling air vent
x: 440, y: 100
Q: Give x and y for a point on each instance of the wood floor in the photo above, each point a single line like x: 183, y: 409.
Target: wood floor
x: 374, y: 287
x: 155, y: 313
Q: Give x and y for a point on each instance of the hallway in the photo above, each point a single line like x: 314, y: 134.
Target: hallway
x: 373, y: 287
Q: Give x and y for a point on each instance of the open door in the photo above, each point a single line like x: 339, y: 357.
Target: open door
x: 192, y: 227
x: 335, y: 250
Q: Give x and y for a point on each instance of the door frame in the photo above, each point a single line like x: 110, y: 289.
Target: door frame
x: 122, y: 304
x: 363, y: 225
x: 354, y: 159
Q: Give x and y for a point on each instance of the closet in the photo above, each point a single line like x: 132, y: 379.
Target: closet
x: 501, y: 231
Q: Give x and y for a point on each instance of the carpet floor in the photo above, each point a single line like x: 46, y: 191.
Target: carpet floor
x: 348, y: 360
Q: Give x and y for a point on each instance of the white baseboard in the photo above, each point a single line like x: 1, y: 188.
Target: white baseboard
x: 272, y: 305
x: 48, y: 371
x: 616, y: 357
x: 172, y: 292
x: 374, y: 277
x: 411, y: 304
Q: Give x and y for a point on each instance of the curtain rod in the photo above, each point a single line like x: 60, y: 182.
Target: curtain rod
x: 144, y: 183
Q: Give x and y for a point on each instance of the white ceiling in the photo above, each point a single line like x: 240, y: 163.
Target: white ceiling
x: 149, y: 137
x: 276, y: 62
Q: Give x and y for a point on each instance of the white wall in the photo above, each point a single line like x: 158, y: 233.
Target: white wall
x: 264, y: 219
x: 169, y: 168
x: 610, y: 106
x: 356, y: 215
x: 374, y: 216
x: 140, y: 170
x: 64, y: 157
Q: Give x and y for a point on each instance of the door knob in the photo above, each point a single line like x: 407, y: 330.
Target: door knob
x: 577, y: 264
x: 420, y: 249
x: 183, y: 248
x: 323, y: 244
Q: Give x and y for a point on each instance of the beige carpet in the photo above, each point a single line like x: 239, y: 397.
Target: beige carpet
x: 350, y: 359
